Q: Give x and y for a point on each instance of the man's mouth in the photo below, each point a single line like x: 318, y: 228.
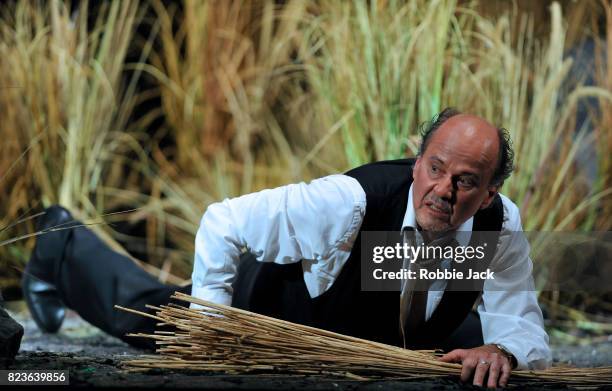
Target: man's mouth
x: 438, y: 209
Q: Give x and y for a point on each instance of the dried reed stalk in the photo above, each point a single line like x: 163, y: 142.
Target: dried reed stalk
x: 219, y: 338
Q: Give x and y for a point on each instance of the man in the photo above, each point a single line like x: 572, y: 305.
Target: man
x: 304, y: 249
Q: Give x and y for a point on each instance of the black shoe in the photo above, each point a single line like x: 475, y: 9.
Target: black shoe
x: 39, y: 277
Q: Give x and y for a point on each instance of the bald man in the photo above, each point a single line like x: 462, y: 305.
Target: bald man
x: 303, y: 258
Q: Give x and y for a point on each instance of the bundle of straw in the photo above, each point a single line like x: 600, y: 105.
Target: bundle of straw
x: 219, y: 338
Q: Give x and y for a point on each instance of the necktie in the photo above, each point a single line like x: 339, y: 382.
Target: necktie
x: 413, y: 299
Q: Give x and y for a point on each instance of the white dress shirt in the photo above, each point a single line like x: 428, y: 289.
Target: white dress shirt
x: 317, y: 223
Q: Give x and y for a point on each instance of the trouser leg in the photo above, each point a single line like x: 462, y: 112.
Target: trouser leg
x: 92, y: 279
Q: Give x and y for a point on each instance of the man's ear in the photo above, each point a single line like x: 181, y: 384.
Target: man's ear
x: 491, y: 192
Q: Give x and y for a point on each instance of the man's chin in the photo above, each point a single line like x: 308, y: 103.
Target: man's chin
x: 437, y: 230
x: 435, y: 227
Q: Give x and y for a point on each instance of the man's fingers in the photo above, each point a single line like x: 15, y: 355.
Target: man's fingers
x: 477, y: 367
x: 493, y: 374
x: 456, y: 355
x: 481, y: 370
x: 506, y: 370
x: 469, y: 364
x: 481, y: 364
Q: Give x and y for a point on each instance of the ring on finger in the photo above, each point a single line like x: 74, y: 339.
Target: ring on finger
x: 483, y: 362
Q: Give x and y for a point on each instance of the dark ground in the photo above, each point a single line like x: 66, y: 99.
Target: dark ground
x: 93, y: 359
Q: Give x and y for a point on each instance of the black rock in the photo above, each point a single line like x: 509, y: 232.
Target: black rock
x: 11, y: 333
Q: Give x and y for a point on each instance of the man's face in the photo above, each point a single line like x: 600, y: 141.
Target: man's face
x: 451, y: 178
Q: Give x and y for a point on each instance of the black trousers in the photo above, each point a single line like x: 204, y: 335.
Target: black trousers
x: 92, y: 279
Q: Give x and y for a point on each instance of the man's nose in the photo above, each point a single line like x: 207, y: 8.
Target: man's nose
x: 444, y: 188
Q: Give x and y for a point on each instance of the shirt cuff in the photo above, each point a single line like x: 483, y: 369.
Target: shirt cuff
x: 521, y: 359
x: 217, y: 296
x: 523, y: 362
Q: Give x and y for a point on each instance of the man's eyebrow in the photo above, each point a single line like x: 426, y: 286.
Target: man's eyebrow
x: 470, y: 175
x: 437, y: 159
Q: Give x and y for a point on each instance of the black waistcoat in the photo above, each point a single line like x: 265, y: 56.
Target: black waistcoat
x: 280, y: 291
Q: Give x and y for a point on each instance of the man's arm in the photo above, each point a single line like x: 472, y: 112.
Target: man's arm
x: 316, y: 222
x: 509, y: 312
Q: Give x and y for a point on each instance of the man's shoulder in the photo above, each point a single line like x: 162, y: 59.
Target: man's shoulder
x: 384, y: 177
x: 396, y: 164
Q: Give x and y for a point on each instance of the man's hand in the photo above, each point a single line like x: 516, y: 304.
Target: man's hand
x: 480, y: 361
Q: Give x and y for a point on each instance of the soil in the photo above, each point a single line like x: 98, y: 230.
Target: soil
x: 94, y: 358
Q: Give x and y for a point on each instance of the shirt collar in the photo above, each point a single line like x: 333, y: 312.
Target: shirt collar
x: 410, y: 222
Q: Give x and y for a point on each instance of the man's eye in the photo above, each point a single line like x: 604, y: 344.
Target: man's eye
x: 465, y: 182
x: 434, y: 169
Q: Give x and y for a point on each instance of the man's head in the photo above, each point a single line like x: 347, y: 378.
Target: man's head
x: 462, y: 162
